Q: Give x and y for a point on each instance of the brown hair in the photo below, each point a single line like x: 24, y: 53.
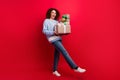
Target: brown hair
x: 48, y: 14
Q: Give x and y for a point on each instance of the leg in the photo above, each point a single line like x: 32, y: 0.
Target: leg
x: 56, y: 59
x: 58, y: 45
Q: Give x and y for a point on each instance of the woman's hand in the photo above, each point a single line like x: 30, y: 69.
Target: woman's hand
x: 56, y: 33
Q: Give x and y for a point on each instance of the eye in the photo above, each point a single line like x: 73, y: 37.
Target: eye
x: 54, y: 11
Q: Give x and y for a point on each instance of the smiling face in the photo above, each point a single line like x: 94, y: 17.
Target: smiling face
x: 53, y: 14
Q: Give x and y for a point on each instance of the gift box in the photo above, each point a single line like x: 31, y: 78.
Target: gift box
x: 61, y: 28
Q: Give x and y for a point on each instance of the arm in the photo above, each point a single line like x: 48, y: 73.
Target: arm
x: 46, y: 28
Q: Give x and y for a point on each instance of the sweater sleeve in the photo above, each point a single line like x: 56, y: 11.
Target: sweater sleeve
x: 46, y: 28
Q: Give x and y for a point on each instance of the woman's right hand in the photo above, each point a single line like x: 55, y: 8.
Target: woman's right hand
x: 56, y: 33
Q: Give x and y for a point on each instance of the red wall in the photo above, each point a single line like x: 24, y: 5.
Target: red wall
x: 93, y: 44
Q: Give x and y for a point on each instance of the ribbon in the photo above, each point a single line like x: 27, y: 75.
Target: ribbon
x: 64, y: 28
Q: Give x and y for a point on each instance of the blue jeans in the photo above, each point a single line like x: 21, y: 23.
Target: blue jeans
x: 59, y: 48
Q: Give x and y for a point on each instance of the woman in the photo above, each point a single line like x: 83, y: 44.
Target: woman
x: 55, y: 39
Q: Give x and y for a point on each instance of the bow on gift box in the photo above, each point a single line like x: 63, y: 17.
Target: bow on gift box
x: 65, y: 19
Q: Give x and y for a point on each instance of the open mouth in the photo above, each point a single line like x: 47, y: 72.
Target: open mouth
x: 53, y: 16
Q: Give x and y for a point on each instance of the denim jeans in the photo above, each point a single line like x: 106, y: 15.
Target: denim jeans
x: 59, y: 48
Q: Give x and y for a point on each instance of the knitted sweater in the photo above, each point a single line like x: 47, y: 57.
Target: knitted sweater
x: 48, y: 30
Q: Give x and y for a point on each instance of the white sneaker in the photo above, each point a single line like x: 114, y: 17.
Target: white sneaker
x: 79, y: 70
x: 56, y: 73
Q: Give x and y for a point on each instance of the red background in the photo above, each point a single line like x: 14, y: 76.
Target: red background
x: 94, y: 43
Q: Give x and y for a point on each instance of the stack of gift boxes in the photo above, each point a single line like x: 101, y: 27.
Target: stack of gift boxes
x: 63, y: 27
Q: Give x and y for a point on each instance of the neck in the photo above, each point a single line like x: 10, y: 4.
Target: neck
x: 51, y: 18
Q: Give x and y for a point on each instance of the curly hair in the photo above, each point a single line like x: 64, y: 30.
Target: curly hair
x: 48, y: 14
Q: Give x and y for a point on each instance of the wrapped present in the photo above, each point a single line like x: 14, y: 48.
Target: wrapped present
x: 61, y: 28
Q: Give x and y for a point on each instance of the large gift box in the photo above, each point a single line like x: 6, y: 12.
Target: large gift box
x: 61, y: 28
